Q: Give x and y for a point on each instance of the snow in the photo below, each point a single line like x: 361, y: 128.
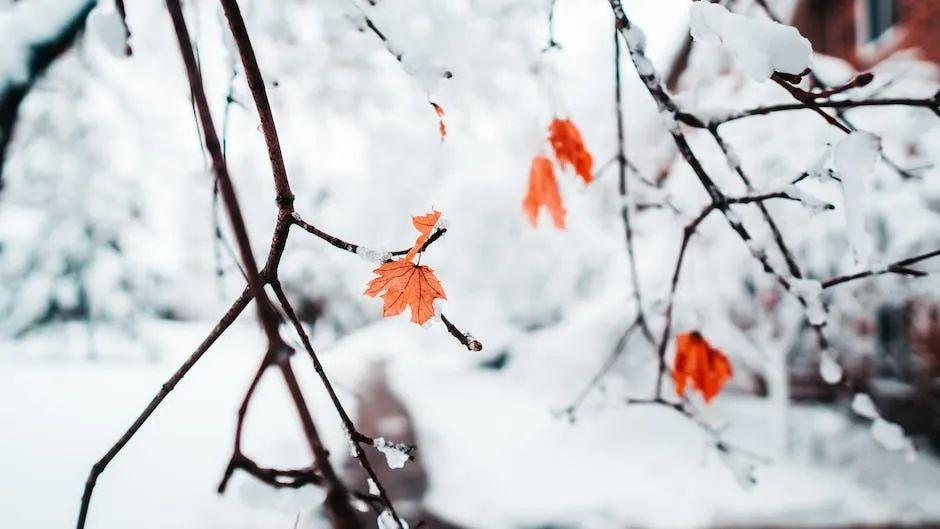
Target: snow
x: 386, y: 520
x: 829, y: 369
x: 560, y: 471
x: 396, y: 454
x: 643, y: 65
x: 25, y: 24
x: 888, y: 434
x: 105, y: 23
x: 863, y: 405
x: 734, y: 162
x: 635, y: 38
x: 854, y: 159
x: 760, y: 46
x: 814, y: 204
x: 372, y: 255
x: 811, y: 292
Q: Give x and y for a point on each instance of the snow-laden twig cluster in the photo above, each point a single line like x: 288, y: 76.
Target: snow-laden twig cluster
x: 765, y: 49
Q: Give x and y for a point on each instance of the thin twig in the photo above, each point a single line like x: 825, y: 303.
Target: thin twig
x: 230, y: 315
x: 897, y: 267
x: 623, y: 191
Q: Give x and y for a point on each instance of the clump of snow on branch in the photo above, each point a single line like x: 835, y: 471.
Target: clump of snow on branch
x: 888, y: 434
x: 104, y: 22
x: 396, y: 454
x: 854, y: 159
x: 810, y: 291
x: 372, y: 255
x: 760, y: 46
x: 814, y: 204
x: 423, y: 70
x: 435, y: 320
x: 829, y: 369
x: 386, y: 520
x: 862, y: 405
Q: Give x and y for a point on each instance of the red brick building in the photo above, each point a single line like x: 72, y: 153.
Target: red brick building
x: 865, y: 31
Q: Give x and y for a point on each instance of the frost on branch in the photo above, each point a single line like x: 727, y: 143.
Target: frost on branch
x: 760, y: 46
x: 854, y: 159
x: 396, y: 454
x: 742, y: 468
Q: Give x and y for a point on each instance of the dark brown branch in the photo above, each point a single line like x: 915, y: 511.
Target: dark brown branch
x: 278, y: 353
x: 354, y: 248
x: 260, y: 95
x: 266, y: 313
x: 356, y: 438
x: 789, y: 84
x: 792, y: 266
x: 897, y: 267
x: 777, y: 235
x: 438, y: 233
x: 230, y: 315
x: 237, y: 454
x: 337, y: 504
x: 928, y: 103
x: 335, y: 241
x: 465, y: 338
x: 552, y: 43
x: 288, y: 478
x: 392, y: 50
x: 122, y: 13
x: 718, y: 201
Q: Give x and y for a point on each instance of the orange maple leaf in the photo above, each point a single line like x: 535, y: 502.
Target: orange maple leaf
x: 543, y: 191
x: 424, y: 224
x: 569, y: 147
x: 696, y: 360
x: 402, y: 284
x: 439, y: 110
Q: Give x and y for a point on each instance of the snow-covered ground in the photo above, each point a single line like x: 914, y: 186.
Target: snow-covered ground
x: 497, y: 453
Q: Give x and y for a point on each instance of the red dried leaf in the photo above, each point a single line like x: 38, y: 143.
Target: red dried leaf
x: 697, y: 361
x: 543, y: 191
x: 402, y: 284
x: 569, y: 147
x: 425, y: 225
x: 439, y: 110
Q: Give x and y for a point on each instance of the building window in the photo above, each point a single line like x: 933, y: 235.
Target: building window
x: 879, y: 17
